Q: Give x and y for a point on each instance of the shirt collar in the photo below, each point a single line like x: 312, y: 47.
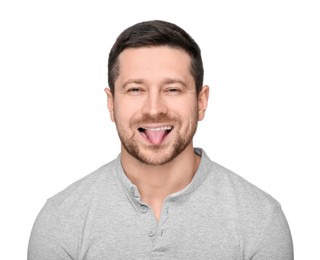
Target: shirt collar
x: 202, y: 172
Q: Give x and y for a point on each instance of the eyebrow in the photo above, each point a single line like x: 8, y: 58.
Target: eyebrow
x: 174, y: 81
x: 166, y: 81
x: 134, y: 81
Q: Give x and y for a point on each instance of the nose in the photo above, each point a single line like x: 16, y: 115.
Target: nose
x: 154, y: 104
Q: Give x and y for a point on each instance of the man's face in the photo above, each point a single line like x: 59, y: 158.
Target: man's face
x: 155, y: 106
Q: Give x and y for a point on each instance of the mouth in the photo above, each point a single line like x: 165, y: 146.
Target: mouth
x: 155, y: 135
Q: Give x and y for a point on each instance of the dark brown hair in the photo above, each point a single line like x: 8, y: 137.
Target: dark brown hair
x: 156, y: 33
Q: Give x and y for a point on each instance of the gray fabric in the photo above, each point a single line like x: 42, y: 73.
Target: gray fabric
x: 219, y: 215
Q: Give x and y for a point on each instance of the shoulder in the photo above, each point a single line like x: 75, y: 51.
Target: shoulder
x: 60, y: 223
x: 83, y: 191
x: 256, y: 216
x: 245, y: 192
x: 238, y: 196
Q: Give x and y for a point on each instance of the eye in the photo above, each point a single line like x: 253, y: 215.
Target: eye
x: 135, y: 90
x: 173, y: 91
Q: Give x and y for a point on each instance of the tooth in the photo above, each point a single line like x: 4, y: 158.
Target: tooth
x: 158, y: 128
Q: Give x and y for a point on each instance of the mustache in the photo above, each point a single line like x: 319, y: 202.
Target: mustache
x: 148, y: 119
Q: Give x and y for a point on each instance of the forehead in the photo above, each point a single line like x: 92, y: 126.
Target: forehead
x: 147, y: 62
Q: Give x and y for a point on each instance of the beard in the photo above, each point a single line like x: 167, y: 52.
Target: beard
x: 157, y: 154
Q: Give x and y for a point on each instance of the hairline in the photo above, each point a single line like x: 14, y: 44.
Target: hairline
x: 116, y: 66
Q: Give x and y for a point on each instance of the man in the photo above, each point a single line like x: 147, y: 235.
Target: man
x: 161, y: 198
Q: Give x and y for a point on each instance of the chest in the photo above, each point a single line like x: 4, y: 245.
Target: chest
x: 184, y: 231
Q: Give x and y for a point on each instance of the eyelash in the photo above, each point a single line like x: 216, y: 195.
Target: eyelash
x: 134, y: 90
x: 137, y: 90
x: 173, y: 90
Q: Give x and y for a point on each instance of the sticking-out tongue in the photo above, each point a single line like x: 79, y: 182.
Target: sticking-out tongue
x: 155, y: 136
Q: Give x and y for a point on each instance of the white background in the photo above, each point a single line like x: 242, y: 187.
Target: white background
x: 262, y: 63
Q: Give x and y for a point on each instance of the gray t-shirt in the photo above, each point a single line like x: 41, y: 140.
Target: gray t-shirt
x: 219, y: 215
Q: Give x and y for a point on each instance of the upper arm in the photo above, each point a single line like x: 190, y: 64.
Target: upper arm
x: 276, y: 240
x: 47, y: 240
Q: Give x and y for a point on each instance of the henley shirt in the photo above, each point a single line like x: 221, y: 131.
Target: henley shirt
x: 219, y: 215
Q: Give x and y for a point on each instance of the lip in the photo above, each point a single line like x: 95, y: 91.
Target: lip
x: 156, y: 127
x: 162, y: 127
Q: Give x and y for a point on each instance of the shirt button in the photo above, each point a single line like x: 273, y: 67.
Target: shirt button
x: 151, y: 233
x: 144, y: 208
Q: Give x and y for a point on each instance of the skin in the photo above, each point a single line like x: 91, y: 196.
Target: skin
x: 155, y: 90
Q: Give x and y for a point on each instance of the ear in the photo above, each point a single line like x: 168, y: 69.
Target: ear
x: 203, y: 98
x: 110, y: 103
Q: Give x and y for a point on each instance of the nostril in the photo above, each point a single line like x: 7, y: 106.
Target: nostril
x: 155, y: 106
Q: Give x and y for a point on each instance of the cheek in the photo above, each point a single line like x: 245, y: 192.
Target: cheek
x: 188, y: 109
x: 188, y: 117
x: 124, y: 112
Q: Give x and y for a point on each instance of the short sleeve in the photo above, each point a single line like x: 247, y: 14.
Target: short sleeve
x: 47, y: 237
x: 276, y: 240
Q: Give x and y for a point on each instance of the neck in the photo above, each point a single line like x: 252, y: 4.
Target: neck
x: 155, y: 183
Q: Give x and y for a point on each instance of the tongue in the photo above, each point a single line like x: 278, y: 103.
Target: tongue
x: 155, y: 137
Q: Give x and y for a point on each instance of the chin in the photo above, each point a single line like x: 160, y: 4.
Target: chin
x: 155, y: 155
